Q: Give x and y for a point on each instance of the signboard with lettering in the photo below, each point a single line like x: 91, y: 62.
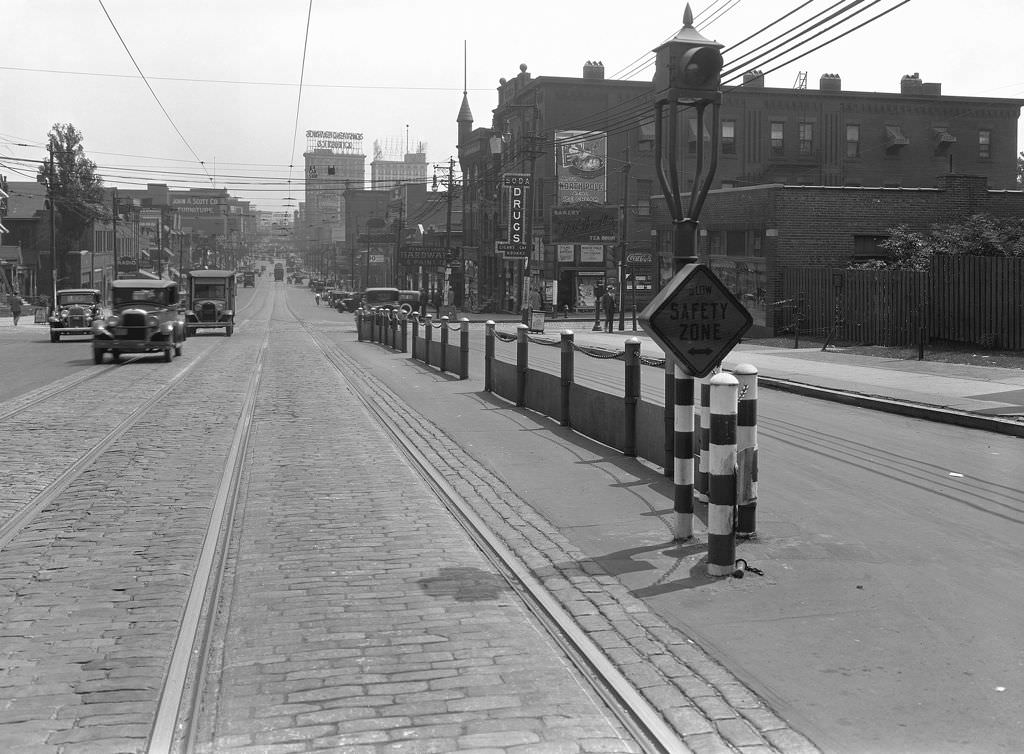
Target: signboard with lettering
x: 515, y: 179
x: 518, y: 213
x: 590, y: 252
x: 512, y: 250
x: 422, y: 256
x: 582, y: 224
x: 696, y: 319
x: 581, y: 166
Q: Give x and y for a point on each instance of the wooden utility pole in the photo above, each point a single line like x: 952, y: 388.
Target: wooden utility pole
x: 623, y: 238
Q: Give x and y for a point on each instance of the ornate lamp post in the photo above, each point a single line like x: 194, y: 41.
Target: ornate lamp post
x: 688, y: 72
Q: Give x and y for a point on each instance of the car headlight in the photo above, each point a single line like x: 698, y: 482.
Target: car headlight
x: 111, y: 321
x: 229, y: 312
x: 63, y: 313
x: 152, y: 321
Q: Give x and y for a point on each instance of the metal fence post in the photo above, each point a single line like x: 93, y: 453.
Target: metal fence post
x: 632, y: 396
x: 443, y: 366
x: 568, y: 374
x: 405, y: 333
x: 415, y: 333
x: 522, y: 362
x: 746, y: 451
x: 722, y: 476
x: 359, y: 324
x: 488, y: 355
x: 428, y: 336
x: 464, y: 348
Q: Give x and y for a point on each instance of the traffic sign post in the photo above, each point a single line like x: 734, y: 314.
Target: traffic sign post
x: 696, y: 319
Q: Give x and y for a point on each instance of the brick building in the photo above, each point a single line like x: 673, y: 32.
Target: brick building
x: 772, y: 142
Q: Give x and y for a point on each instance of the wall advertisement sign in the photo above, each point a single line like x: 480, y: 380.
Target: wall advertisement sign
x: 582, y: 224
x: 591, y: 253
x: 566, y: 252
x: 581, y: 168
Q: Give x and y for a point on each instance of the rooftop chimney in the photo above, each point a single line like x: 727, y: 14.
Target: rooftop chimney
x: 830, y: 82
x: 594, y: 69
x: 753, y: 79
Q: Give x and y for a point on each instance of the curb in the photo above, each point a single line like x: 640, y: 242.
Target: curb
x: 892, y: 406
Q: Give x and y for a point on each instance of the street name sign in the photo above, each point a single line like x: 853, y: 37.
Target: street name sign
x: 696, y: 319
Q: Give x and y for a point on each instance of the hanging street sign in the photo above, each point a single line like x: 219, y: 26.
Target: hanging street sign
x: 696, y: 319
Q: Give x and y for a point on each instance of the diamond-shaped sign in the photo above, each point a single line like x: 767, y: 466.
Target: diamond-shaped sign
x: 696, y: 319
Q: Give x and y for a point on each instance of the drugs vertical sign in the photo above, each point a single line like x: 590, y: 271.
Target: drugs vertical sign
x: 518, y: 240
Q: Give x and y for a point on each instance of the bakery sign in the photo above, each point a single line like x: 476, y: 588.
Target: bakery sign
x: 582, y: 224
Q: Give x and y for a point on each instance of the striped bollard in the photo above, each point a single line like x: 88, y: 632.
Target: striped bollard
x: 703, y: 423
x: 722, y: 475
x: 682, y: 477
x: 746, y: 451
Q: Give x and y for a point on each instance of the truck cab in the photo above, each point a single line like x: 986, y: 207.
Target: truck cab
x: 211, y: 301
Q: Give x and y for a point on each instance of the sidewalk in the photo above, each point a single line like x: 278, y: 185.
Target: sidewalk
x: 990, y: 398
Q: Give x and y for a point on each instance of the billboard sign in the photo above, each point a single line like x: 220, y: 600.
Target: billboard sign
x: 581, y: 166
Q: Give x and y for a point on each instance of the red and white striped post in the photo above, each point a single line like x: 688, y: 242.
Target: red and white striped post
x: 722, y: 475
x: 682, y: 477
x: 746, y: 451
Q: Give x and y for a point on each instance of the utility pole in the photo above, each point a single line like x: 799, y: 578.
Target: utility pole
x: 116, y: 253
x: 623, y: 239
x: 54, y: 257
x: 448, y: 230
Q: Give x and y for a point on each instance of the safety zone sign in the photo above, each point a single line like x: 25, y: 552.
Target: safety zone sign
x: 696, y: 319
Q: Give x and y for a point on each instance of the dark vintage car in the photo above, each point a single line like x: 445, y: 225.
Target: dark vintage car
x: 147, y: 317
x: 211, y: 297
x: 74, y: 312
x: 249, y: 279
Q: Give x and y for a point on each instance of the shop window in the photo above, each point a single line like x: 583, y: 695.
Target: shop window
x: 984, y: 144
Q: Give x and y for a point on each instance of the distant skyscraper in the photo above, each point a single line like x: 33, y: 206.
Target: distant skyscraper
x: 334, y: 161
x: 388, y: 171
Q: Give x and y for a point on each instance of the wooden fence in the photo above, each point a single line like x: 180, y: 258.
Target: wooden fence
x: 961, y: 299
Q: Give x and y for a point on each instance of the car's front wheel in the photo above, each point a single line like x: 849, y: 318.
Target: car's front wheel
x: 229, y: 329
x: 54, y: 337
x: 168, y: 353
x: 115, y: 356
x: 97, y: 356
x: 177, y: 349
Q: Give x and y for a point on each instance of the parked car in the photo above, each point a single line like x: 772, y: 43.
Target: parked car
x: 380, y: 297
x: 249, y: 279
x: 74, y: 312
x: 147, y: 317
x: 211, y: 297
x: 409, y: 301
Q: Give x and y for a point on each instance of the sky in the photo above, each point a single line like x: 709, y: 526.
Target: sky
x: 219, y: 101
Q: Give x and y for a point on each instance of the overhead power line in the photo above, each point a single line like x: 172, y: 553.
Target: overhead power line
x: 148, y: 86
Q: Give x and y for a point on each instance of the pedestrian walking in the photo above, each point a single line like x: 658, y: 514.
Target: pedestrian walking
x: 608, y: 307
x: 317, y: 297
x: 15, y: 303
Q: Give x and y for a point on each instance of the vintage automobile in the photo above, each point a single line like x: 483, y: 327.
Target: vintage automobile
x: 146, y: 318
x: 74, y: 312
x: 249, y: 279
x: 384, y: 298
x: 211, y: 298
x: 409, y: 301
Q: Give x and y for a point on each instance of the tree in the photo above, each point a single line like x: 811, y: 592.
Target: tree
x: 76, y: 190
x: 1020, y: 170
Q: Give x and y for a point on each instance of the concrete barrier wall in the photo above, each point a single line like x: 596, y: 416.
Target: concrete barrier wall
x: 543, y: 392
x: 650, y: 432
x: 597, y: 415
x: 504, y: 380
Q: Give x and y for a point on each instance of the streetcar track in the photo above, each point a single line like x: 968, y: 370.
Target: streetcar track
x: 637, y: 715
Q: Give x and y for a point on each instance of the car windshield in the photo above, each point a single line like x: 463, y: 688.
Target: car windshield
x: 66, y: 299
x: 381, y: 297
x: 209, y: 290
x: 158, y: 296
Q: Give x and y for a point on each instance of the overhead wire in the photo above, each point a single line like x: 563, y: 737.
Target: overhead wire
x: 150, y: 87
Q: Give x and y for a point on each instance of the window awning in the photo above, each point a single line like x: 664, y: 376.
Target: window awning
x: 894, y: 137
x: 943, y: 136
